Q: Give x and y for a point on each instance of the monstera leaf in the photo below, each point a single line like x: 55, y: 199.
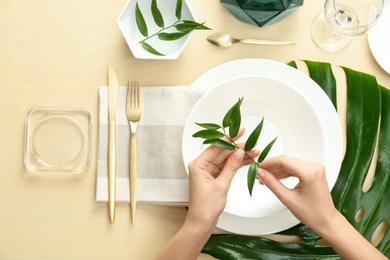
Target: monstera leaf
x: 368, y: 111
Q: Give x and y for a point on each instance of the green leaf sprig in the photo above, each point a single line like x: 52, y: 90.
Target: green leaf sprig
x: 183, y: 27
x: 213, y: 134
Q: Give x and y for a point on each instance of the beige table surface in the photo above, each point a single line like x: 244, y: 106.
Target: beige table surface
x: 55, y: 54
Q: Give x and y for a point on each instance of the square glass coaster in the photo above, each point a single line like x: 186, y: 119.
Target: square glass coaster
x: 58, y: 140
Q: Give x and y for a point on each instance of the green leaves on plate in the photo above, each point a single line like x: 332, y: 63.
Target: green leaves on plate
x: 171, y: 36
x: 183, y: 27
x: 150, y: 49
x: 179, y: 5
x: 158, y: 19
x: 188, y: 26
x: 232, y: 120
x: 368, y: 112
x: 141, y: 24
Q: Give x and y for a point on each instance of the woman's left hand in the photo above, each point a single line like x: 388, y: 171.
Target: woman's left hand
x: 210, y: 176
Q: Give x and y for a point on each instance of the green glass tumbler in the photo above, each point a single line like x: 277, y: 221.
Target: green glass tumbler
x: 261, y: 12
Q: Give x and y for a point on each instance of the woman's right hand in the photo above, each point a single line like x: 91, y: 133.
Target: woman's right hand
x: 310, y: 201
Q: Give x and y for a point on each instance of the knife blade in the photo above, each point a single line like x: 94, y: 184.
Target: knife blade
x: 112, y: 99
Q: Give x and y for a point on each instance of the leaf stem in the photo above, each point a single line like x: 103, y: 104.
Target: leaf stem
x: 160, y: 31
x: 235, y: 145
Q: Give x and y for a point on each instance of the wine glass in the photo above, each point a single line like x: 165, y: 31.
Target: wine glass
x: 332, y: 29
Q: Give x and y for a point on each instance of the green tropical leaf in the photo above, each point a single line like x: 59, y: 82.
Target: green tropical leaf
x: 158, y: 19
x: 208, y: 134
x: 254, y: 136
x: 220, y: 143
x: 179, y: 5
x: 209, y: 126
x: 141, y: 24
x: 321, y: 73
x: 251, y: 176
x: 150, y: 49
x: 266, y: 150
x: 293, y: 64
x: 364, y: 108
x: 367, y: 105
x: 171, y: 36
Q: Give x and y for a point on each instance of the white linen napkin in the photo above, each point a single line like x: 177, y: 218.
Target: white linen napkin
x: 162, y: 178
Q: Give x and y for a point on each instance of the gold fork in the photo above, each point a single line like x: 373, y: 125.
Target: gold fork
x: 134, y: 111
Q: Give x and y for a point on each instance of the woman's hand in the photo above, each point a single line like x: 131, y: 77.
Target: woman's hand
x: 310, y: 201
x: 210, y: 176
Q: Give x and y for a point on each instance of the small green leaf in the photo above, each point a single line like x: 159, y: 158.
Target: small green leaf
x: 188, y: 26
x: 266, y: 150
x: 201, y: 25
x: 150, y: 49
x: 235, y: 120
x: 220, y: 143
x: 171, y: 36
x: 227, y: 117
x: 209, y: 126
x: 251, y: 176
x: 158, y: 19
x: 208, y: 134
x: 179, y: 5
x: 254, y: 136
x: 142, y: 27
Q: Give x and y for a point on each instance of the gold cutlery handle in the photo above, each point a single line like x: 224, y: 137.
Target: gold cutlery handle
x: 112, y: 171
x: 266, y: 42
x: 133, y: 175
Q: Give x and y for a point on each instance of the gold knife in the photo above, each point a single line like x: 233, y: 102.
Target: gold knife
x: 112, y: 98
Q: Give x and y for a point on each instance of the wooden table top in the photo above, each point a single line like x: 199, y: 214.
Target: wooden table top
x: 55, y: 54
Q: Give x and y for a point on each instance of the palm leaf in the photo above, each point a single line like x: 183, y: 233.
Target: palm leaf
x: 367, y: 104
x: 323, y: 77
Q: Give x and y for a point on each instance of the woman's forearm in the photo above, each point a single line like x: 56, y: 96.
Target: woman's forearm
x: 347, y: 241
x: 188, y: 242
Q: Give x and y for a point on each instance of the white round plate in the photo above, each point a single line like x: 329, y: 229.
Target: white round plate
x: 379, y: 38
x: 266, y: 86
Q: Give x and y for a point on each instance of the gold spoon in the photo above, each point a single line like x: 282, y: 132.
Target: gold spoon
x: 225, y: 40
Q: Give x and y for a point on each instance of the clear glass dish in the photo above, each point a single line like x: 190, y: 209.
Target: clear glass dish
x: 58, y: 140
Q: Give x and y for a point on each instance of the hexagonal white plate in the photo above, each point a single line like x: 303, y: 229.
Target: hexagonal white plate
x: 128, y: 26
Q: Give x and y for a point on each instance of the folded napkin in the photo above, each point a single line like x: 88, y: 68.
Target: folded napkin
x: 162, y: 178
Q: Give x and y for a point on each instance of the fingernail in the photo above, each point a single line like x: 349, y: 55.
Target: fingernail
x: 238, y: 155
x: 259, y: 173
